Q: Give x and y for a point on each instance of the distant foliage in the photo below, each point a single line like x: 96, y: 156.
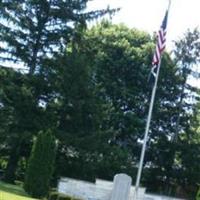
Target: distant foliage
x: 41, y: 165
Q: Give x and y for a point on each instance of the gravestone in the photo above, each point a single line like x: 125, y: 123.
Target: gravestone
x: 121, y: 187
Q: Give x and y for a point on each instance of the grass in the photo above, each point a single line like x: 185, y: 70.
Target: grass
x: 12, y: 192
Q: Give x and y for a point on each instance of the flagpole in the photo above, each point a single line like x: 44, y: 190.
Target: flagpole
x: 147, y: 126
x: 169, y: 5
x: 146, y: 131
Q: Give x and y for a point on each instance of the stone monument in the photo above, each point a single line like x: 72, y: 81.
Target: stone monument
x: 121, y: 187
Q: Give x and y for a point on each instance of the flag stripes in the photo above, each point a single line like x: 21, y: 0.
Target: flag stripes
x: 161, y: 43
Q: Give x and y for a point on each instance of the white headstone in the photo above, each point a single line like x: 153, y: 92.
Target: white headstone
x: 121, y: 187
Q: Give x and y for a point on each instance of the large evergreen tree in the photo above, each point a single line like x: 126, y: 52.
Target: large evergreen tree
x: 32, y: 32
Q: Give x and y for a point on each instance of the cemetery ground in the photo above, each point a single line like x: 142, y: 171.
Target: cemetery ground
x: 16, y: 192
x: 13, y: 192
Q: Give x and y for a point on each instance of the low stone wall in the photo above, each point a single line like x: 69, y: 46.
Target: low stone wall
x: 100, y: 190
x: 83, y: 189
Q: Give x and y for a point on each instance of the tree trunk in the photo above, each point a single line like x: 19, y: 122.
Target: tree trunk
x: 12, y: 163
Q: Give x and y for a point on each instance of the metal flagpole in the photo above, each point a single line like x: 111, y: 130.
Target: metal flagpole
x: 169, y: 5
x: 146, y: 132
x: 147, y: 127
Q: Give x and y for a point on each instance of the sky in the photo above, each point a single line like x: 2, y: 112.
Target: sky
x: 147, y: 15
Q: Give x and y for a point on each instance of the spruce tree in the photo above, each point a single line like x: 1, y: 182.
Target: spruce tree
x: 32, y: 32
x: 40, y: 165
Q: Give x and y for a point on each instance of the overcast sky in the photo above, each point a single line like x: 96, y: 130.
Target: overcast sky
x: 147, y: 15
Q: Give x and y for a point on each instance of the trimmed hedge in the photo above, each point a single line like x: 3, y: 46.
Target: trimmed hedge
x: 40, y: 165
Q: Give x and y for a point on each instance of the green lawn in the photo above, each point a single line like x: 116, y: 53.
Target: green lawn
x: 12, y: 192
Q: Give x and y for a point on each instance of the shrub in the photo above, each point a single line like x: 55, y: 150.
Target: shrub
x: 64, y: 197
x: 58, y: 196
x: 53, y: 196
x: 40, y: 165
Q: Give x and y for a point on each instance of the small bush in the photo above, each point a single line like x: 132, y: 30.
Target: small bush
x: 64, y: 197
x: 19, y: 183
x: 57, y: 196
x: 53, y: 196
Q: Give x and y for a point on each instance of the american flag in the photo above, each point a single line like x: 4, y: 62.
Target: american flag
x: 160, y: 46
